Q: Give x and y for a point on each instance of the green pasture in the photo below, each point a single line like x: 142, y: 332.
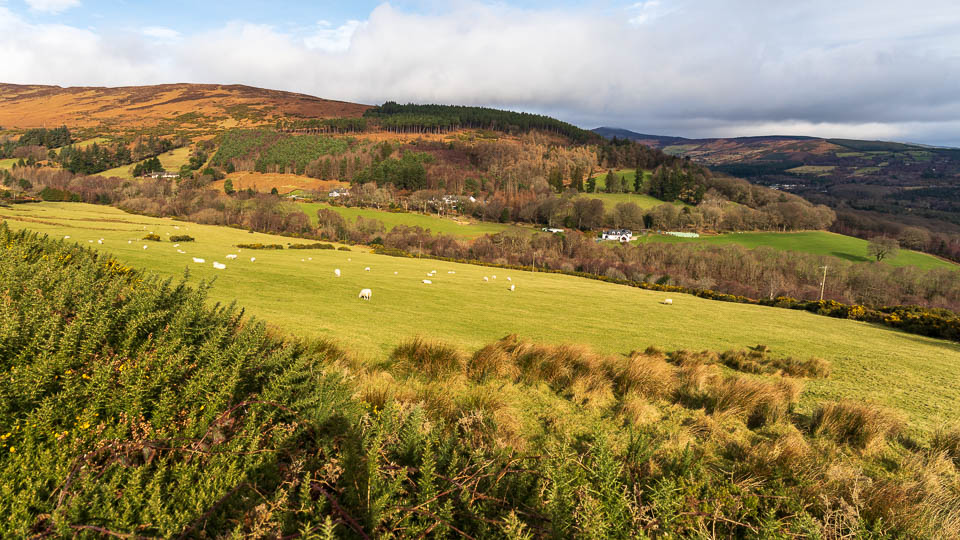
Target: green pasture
x: 90, y: 142
x: 296, y: 291
x: 7, y: 163
x: 171, y: 161
x: 435, y: 224
x: 812, y: 169
x: 816, y: 242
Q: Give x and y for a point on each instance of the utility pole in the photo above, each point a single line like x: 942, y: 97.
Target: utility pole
x: 823, y: 282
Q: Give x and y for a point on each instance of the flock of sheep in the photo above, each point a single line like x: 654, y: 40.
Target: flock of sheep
x: 365, y: 294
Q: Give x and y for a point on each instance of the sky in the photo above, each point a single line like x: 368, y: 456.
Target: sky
x: 871, y: 69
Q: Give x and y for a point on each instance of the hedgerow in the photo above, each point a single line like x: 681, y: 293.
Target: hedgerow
x: 317, y: 245
x: 260, y: 246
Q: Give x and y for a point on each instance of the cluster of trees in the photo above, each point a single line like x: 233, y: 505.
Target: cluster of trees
x: 413, y: 118
x: 100, y: 157
x: 151, y: 165
x: 39, y: 137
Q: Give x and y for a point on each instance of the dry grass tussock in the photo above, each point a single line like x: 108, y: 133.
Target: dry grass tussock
x: 947, y: 441
x: 432, y: 358
x: 861, y: 425
x: 759, y: 402
x: 759, y: 361
x: 647, y: 375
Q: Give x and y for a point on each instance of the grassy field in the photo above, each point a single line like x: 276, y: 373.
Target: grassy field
x: 435, y: 224
x: 300, y: 296
x: 89, y: 142
x: 171, y: 161
x: 7, y: 163
x: 611, y: 199
x: 816, y: 242
x: 812, y: 169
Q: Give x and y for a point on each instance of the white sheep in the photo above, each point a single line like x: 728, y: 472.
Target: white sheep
x: 512, y: 287
x: 219, y: 266
x: 89, y: 241
x: 395, y: 273
x: 485, y: 278
x: 508, y: 278
x: 252, y: 259
x: 180, y: 251
x: 309, y: 258
x: 365, y: 294
x: 427, y: 282
x: 144, y: 246
x: 451, y: 272
x: 667, y: 302
x: 100, y: 241
x: 494, y: 277
x: 232, y: 256
x: 198, y: 261
x: 176, y: 245
x: 336, y: 272
x: 367, y: 269
x: 128, y: 241
x: 67, y: 237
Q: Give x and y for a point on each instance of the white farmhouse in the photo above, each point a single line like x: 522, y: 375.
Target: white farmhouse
x: 620, y: 235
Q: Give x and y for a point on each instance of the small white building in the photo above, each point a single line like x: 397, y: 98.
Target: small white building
x: 551, y: 230
x: 339, y: 192
x: 620, y: 235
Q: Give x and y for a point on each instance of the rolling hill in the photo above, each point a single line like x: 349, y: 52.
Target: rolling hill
x: 30, y: 106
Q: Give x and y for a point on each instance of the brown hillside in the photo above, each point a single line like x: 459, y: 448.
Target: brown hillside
x: 135, y: 106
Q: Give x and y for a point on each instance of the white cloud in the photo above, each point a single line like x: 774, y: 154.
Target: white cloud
x: 695, y: 68
x: 161, y: 33
x: 52, y: 6
x: 326, y: 38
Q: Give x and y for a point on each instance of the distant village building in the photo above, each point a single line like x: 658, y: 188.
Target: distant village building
x: 551, y: 230
x: 163, y: 175
x: 339, y: 192
x: 620, y: 235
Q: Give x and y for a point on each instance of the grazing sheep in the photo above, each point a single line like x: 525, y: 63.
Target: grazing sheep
x: 367, y: 269
x: 512, y: 287
x: 365, y: 294
x: 303, y: 260
x: 667, y: 302
x: 427, y: 282
x: 395, y: 273
x: 180, y: 251
x: 144, y: 246
x: 451, y: 272
x: 349, y: 259
x: 494, y: 277
x: 176, y: 227
x: 252, y: 259
x: 336, y: 272
x: 309, y: 258
x: 176, y: 245
x: 485, y: 278
x: 67, y: 237
x: 232, y: 256
x: 128, y: 241
x: 219, y: 266
x: 508, y: 278
x: 198, y: 261
x: 100, y: 241
x: 89, y: 241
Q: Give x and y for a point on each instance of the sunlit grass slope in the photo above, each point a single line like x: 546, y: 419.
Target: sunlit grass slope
x: 436, y: 224
x: 816, y: 242
x: 296, y: 291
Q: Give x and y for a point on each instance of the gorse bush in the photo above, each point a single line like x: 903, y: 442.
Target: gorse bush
x: 131, y: 407
x: 153, y: 237
x: 181, y: 238
x: 318, y: 245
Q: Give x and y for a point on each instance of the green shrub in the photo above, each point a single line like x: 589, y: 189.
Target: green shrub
x: 318, y: 245
x: 343, y: 248
x: 153, y: 237
x: 181, y: 238
x: 260, y: 246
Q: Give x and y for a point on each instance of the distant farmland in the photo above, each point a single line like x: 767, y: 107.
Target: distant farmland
x: 816, y: 242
